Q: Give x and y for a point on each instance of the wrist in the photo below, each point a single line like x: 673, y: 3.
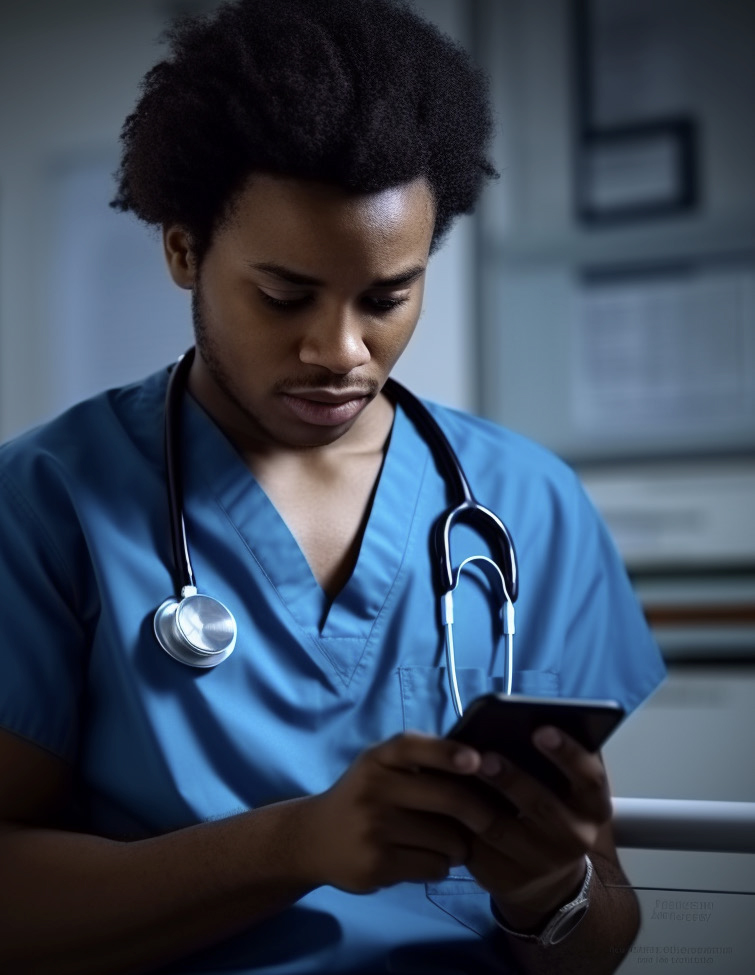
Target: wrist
x: 550, y: 925
x: 531, y: 915
x: 277, y: 839
x: 301, y: 844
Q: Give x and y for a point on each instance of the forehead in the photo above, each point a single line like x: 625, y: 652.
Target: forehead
x: 292, y: 219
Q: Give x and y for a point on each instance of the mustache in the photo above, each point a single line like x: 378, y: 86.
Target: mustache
x: 336, y: 384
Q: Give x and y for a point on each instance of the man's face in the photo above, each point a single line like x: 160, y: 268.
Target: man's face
x: 304, y: 301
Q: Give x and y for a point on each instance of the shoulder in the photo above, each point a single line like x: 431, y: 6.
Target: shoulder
x: 536, y: 494
x: 88, y: 441
x: 98, y: 456
x: 494, y: 453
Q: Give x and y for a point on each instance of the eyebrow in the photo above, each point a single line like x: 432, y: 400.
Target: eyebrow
x: 286, y: 274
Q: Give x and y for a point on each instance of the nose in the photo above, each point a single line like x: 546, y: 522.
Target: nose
x: 334, y: 341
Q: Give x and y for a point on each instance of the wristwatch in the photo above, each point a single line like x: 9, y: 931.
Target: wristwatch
x: 563, y: 922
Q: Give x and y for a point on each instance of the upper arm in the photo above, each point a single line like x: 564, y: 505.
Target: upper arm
x: 46, y: 640
x: 35, y: 785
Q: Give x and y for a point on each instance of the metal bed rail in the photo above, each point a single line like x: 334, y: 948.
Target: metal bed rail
x: 701, y: 825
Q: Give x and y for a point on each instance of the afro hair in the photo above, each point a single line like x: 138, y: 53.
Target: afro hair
x: 361, y: 94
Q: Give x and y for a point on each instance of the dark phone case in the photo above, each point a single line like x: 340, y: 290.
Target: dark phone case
x: 505, y: 724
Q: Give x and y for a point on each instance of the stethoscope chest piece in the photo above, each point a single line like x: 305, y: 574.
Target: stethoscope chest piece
x: 197, y: 630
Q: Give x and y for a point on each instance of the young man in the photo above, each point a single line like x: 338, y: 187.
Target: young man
x: 297, y: 808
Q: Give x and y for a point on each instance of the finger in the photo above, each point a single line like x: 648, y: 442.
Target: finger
x: 430, y: 832
x: 559, y: 829
x: 512, y: 852
x: 426, y: 791
x: 414, y: 750
x: 411, y: 865
x: 590, y: 793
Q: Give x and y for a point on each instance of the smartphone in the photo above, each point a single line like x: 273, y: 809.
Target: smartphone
x: 504, y: 723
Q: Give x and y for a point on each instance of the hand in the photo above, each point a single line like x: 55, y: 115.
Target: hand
x: 403, y: 811
x: 534, y: 862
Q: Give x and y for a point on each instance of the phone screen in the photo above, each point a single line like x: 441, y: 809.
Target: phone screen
x: 505, y: 723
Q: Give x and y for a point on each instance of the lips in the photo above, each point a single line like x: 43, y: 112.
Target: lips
x: 329, y: 396
x: 324, y: 407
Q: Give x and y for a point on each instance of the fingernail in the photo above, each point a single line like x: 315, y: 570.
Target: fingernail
x: 548, y: 738
x: 465, y: 760
x: 491, y: 765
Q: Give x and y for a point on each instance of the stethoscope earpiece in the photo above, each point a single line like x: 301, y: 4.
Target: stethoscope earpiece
x: 197, y: 630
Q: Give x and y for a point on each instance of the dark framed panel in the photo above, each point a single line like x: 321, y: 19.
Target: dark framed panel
x: 637, y: 171
x: 635, y: 166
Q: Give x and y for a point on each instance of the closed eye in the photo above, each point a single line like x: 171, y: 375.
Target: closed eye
x: 385, y: 304
x: 285, y: 302
x: 373, y: 303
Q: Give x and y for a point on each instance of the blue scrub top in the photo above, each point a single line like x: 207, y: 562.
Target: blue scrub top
x: 85, y: 559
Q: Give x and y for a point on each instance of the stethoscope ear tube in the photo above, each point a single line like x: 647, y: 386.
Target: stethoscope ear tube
x: 507, y: 625
x: 465, y: 508
x: 491, y: 528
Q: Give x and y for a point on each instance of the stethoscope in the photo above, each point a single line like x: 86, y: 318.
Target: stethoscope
x: 198, y: 630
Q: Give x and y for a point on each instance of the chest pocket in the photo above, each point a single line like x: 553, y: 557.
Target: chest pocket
x: 426, y: 698
x: 427, y: 706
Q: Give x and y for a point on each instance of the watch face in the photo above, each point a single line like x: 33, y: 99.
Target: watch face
x: 565, y: 923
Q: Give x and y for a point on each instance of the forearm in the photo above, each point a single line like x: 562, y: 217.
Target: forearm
x: 82, y: 904
x: 598, y: 944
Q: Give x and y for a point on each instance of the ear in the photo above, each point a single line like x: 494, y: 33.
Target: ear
x: 179, y: 256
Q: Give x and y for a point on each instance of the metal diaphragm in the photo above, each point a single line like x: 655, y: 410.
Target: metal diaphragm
x: 197, y: 630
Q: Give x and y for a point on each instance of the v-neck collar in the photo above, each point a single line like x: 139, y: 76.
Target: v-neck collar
x: 386, y: 534
x: 343, y: 626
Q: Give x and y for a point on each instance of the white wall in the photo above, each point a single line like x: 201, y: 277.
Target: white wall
x: 441, y: 361
x: 84, y: 301
x: 68, y: 76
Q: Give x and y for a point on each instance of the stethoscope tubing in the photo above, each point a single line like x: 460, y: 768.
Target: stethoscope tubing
x: 207, y: 652
x: 466, y: 507
x: 182, y: 568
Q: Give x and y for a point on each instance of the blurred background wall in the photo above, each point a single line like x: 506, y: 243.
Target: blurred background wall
x: 602, y: 300
x: 85, y: 300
